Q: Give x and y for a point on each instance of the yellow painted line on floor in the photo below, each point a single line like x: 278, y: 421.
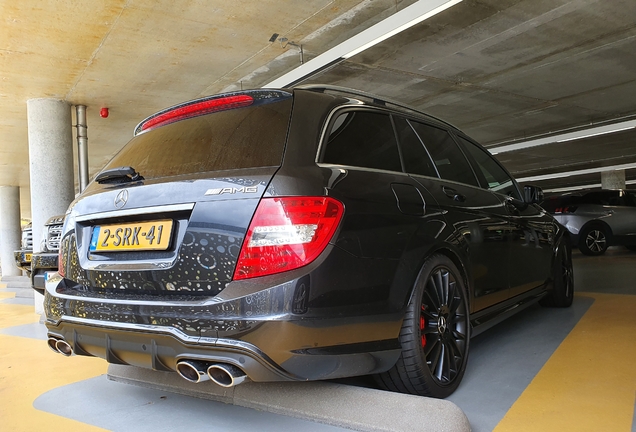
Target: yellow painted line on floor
x: 28, y: 369
x: 6, y: 294
x: 14, y: 315
x: 589, y: 382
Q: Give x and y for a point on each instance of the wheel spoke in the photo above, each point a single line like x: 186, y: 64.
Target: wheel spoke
x: 429, y: 315
x: 455, y: 348
x: 445, y: 286
x: 433, y: 302
x: 434, y: 352
x: 437, y: 278
x: 433, y: 293
x: 439, y: 362
x: 452, y: 360
x: 428, y: 330
x: 430, y: 346
x: 455, y: 301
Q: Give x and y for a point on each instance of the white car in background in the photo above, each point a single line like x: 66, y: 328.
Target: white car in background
x: 597, y: 219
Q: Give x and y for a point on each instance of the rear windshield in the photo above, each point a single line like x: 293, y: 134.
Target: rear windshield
x: 249, y: 137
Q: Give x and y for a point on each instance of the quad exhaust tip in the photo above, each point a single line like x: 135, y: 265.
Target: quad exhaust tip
x: 196, y: 371
x: 60, y: 346
x: 226, y: 375
x: 192, y: 370
x: 51, y: 342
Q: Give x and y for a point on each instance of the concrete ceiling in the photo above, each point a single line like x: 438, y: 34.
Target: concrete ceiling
x: 501, y: 70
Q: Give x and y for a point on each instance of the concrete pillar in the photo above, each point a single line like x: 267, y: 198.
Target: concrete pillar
x: 50, y: 160
x: 9, y: 228
x: 613, y: 179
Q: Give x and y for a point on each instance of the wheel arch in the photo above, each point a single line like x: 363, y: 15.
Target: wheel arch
x: 455, y: 257
x: 598, y: 223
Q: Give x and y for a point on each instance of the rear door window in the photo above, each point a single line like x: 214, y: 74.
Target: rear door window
x: 493, y: 175
x: 448, y: 158
x: 363, y: 139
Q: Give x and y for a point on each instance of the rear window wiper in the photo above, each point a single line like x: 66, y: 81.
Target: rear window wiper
x: 124, y: 174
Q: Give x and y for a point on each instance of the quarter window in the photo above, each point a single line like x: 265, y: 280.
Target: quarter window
x: 448, y: 158
x: 416, y: 159
x: 363, y: 139
x: 496, y: 179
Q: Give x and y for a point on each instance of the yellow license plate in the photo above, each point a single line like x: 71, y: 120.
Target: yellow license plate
x: 135, y: 236
x: 27, y: 257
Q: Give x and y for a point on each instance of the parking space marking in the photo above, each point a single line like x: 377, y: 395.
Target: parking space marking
x: 589, y: 383
x: 28, y: 368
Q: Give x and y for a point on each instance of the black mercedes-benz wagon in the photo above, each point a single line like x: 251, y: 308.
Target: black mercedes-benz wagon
x: 301, y: 234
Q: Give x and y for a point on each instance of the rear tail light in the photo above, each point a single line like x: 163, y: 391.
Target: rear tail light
x: 287, y: 233
x: 568, y: 209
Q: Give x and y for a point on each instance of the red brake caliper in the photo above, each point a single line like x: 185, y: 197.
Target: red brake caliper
x: 422, y: 327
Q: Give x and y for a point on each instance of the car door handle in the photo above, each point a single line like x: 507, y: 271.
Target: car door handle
x: 452, y: 193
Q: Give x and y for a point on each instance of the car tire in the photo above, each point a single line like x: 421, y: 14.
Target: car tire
x: 594, y: 240
x: 562, y: 292
x: 631, y: 248
x: 435, y: 334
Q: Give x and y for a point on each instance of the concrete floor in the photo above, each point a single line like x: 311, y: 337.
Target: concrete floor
x: 542, y: 370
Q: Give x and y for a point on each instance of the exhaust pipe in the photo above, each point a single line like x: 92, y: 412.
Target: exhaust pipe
x: 52, y: 342
x: 193, y: 370
x: 226, y: 375
x: 59, y: 346
x: 63, y: 348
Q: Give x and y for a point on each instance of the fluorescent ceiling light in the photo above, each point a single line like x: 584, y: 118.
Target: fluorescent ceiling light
x: 577, y: 172
x: 581, y: 187
x: 396, y: 23
x: 568, y: 136
x: 595, y: 134
x: 403, y: 27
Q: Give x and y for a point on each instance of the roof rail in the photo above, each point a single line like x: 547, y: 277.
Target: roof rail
x: 376, y: 99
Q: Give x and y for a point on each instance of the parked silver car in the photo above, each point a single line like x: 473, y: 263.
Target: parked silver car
x: 598, y: 219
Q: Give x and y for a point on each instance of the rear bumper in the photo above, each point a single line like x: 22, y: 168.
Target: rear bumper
x: 23, y: 259
x: 159, y: 348
x: 256, y: 332
x: 41, y: 263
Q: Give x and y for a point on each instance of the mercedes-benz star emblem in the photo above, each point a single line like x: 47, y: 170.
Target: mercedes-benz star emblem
x: 441, y: 324
x: 121, y: 199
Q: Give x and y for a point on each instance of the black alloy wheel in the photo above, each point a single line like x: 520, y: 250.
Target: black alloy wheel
x: 562, y: 293
x: 593, y: 240
x: 435, y: 334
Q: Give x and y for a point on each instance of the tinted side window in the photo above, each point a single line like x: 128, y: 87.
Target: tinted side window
x: 416, y: 159
x: 617, y: 201
x: 448, y: 158
x: 496, y: 178
x: 363, y: 139
x: 630, y: 198
x: 600, y: 198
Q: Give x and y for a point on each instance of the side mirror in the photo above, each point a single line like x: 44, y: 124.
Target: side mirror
x: 532, y: 194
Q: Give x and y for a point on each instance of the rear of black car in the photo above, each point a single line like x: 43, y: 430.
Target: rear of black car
x: 208, y: 240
